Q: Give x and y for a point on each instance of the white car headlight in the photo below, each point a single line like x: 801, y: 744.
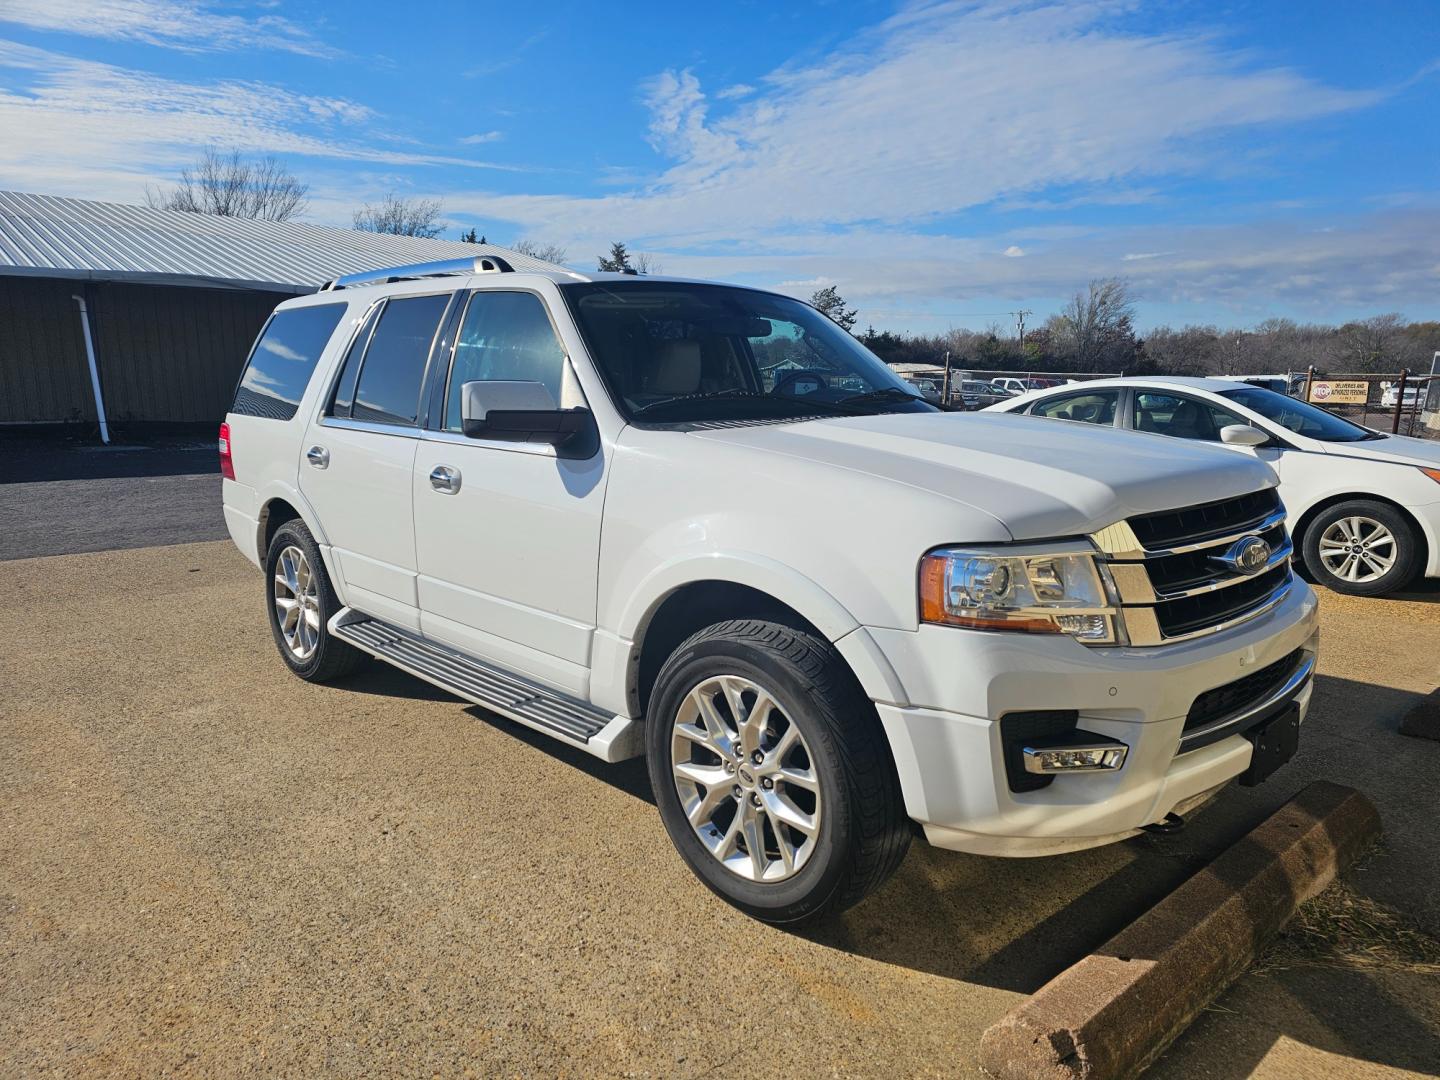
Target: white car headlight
x: 1041, y: 592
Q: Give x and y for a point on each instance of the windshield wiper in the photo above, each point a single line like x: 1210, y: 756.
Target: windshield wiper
x: 733, y: 396
x: 884, y: 393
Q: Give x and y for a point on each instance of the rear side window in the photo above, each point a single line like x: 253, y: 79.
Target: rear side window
x: 388, y: 391
x: 283, y: 359
x: 1091, y: 407
x: 345, y: 389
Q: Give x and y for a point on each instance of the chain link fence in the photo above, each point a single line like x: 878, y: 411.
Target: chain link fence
x: 1401, y: 403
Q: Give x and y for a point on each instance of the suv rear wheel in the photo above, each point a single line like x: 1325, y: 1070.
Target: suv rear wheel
x: 1363, y: 548
x: 301, y: 601
x: 771, y: 772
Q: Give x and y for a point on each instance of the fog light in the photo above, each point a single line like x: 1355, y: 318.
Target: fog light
x: 1089, y: 753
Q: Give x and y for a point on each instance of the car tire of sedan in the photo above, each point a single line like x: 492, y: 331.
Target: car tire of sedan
x: 1362, y: 548
x: 301, y: 601
x: 772, y: 773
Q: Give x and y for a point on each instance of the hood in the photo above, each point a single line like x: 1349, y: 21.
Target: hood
x: 1398, y: 449
x: 1039, y: 478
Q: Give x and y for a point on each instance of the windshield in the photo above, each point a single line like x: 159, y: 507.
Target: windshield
x: 675, y: 353
x: 1299, y: 416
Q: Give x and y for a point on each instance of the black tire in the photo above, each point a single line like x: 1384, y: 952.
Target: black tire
x: 1409, y: 544
x: 332, y: 658
x: 863, y: 832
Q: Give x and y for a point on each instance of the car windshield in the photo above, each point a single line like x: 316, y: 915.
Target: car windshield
x: 1299, y: 416
x: 672, y: 352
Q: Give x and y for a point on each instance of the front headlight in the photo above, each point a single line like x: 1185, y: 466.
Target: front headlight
x: 1040, y: 592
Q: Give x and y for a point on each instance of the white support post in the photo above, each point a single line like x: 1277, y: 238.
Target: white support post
x: 94, y: 369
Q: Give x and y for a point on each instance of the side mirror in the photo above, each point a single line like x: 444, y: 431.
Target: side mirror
x: 524, y: 412
x: 1243, y: 435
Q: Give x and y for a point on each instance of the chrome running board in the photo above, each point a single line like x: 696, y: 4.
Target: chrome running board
x: 608, y: 737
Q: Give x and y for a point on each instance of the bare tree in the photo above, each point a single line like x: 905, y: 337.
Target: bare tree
x: 646, y: 264
x: 1096, y: 326
x: 228, y: 185
x: 1379, y: 343
x: 551, y: 253
x: 401, y: 217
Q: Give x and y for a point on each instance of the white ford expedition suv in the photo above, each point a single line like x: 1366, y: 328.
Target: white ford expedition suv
x: 702, y: 523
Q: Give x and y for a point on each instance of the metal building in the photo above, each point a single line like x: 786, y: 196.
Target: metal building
x: 170, y: 302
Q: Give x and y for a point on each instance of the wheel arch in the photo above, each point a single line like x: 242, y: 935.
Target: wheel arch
x: 281, y: 506
x: 690, y: 605
x: 1315, y: 509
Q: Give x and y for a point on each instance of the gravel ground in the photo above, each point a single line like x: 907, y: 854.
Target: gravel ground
x: 209, y: 867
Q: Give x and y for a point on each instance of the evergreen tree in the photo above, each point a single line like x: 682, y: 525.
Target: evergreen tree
x: 829, y: 301
x: 618, y: 260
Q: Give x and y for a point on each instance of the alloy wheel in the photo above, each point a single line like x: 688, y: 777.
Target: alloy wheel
x: 297, y: 603
x: 1358, y: 549
x: 746, y: 779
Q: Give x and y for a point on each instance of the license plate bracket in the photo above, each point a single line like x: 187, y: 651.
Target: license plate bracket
x: 1275, y: 743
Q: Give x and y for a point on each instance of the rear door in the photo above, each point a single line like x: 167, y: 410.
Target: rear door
x: 1100, y: 407
x: 265, y: 434
x: 358, y: 457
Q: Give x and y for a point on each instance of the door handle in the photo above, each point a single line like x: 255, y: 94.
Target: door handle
x: 445, y: 480
x: 318, y: 456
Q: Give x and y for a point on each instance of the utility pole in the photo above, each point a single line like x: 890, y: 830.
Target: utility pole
x: 1020, y: 323
x: 945, y: 391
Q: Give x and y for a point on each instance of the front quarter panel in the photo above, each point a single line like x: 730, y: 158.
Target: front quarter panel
x: 843, y: 550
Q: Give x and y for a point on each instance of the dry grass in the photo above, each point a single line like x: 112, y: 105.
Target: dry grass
x: 1344, y: 929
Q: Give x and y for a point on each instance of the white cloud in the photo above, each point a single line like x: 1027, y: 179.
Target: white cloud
x: 943, y: 108
x: 951, y: 106
x: 483, y: 137
x: 1363, y: 262
x: 84, y: 128
x: 192, y: 26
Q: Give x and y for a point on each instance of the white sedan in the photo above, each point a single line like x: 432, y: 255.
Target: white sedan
x: 1363, y: 506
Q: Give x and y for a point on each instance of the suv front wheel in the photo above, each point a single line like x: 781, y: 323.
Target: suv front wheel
x: 771, y: 772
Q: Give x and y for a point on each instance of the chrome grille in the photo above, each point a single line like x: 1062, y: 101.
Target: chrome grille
x: 1167, y: 577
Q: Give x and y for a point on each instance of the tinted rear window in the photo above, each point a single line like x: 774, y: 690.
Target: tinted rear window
x: 394, y: 365
x: 283, y: 360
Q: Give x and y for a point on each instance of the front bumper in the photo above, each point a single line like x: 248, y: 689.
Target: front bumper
x: 945, y: 736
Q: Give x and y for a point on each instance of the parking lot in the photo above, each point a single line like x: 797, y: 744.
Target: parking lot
x: 211, y: 867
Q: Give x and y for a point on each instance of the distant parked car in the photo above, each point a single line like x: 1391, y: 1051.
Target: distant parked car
x: 1390, y: 394
x: 1363, y: 506
x: 928, y: 390
x: 1010, y: 385
x: 977, y: 393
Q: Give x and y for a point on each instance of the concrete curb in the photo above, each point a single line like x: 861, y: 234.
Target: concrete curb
x: 1113, y: 1013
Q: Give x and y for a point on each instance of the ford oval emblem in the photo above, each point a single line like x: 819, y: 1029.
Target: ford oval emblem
x: 1249, y: 555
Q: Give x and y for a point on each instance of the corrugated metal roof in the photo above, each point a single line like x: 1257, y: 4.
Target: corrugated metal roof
x: 51, y: 236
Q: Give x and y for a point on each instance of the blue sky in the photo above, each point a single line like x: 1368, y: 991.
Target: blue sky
x: 941, y: 163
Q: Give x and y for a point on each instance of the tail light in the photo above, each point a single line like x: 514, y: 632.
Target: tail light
x: 227, y: 463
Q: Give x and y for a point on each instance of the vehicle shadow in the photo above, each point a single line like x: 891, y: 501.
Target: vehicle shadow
x: 1426, y: 590
x: 384, y: 680
x: 1347, y: 1012
x: 1014, y: 924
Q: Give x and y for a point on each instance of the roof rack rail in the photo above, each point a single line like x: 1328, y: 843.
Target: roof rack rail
x: 478, y: 264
